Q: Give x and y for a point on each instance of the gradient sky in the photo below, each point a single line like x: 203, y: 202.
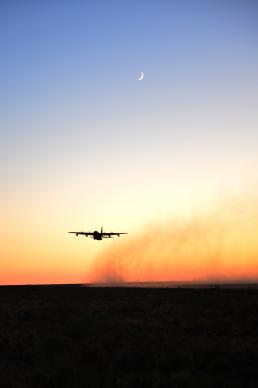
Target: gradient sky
x: 84, y: 144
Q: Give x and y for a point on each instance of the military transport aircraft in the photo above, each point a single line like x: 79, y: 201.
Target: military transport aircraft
x: 98, y: 235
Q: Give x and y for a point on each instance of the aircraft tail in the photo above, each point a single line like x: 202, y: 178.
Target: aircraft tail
x: 101, y: 229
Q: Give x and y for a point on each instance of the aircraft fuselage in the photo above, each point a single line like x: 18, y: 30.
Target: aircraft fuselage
x: 97, y: 235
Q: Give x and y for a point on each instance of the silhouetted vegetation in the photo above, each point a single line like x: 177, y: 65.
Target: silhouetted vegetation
x: 60, y: 336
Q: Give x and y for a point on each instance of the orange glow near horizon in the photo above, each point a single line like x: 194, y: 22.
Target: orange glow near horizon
x: 218, y: 245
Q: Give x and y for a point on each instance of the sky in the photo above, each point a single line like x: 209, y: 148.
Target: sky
x: 84, y: 144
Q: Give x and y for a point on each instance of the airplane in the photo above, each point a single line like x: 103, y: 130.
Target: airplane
x: 98, y: 235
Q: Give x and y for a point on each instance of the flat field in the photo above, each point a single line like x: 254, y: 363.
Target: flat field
x: 73, y: 336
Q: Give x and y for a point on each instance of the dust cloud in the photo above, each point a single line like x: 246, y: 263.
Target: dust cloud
x: 222, y: 246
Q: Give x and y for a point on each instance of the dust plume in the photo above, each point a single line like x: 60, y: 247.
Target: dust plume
x: 222, y: 246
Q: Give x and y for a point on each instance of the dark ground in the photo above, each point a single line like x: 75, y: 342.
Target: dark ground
x: 61, y: 336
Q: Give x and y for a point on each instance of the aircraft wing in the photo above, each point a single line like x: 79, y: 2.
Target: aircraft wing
x: 82, y: 233
x: 106, y: 234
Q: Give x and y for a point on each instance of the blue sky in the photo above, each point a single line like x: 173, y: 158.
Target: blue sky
x: 69, y: 69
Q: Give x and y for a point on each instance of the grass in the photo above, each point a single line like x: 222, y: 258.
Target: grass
x: 58, y: 336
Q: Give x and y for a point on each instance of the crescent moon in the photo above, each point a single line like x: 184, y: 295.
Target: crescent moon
x: 141, y: 76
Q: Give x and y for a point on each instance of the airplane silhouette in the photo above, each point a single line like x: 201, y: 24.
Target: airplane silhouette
x: 98, y: 235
